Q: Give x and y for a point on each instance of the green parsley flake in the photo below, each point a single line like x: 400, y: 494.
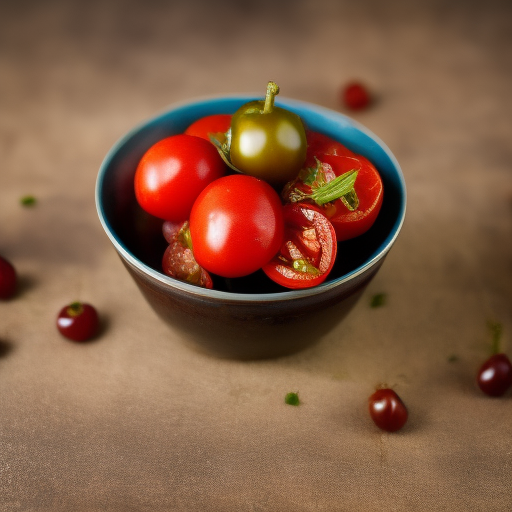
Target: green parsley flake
x: 378, y: 300
x: 28, y: 200
x: 453, y: 358
x: 292, y: 399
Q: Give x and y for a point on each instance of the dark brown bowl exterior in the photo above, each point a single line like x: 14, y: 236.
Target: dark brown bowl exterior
x: 250, y: 329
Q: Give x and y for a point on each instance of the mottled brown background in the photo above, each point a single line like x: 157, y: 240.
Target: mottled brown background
x: 136, y: 421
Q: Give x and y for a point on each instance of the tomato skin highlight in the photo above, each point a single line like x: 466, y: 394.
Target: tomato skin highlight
x: 236, y: 225
x: 387, y: 410
x: 173, y: 172
x: 308, y: 251
x: 216, y: 123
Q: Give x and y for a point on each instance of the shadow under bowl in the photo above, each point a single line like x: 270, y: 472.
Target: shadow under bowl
x: 251, y: 317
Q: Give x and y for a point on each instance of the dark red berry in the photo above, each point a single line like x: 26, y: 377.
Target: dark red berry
x: 356, y: 96
x: 387, y: 410
x: 78, y: 321
x: 7, y: 279
x: 495, y: 375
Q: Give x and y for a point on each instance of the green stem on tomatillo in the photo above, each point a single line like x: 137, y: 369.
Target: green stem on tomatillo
x: 272, y: 92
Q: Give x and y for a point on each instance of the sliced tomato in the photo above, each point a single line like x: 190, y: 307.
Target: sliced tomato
x: 178, y: 260
x: 308, y: 251
x: 203, y: 127
x: 352, y: 214
x: 320, y: 144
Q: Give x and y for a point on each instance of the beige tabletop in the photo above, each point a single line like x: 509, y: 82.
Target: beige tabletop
x: 137, y: 421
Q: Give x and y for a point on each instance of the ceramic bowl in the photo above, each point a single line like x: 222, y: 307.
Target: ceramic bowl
x: 249, y: 317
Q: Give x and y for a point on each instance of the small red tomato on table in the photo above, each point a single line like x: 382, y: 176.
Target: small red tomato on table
x: 78, y: 321
x: 8, y: 279
x: 495, y: 375
x: 387, y: 410
x: 355, y: 96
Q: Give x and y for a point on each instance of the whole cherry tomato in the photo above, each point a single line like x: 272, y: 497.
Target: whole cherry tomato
x: 351, y: 213
x: 8, y: 279
x: 178, y: 260
x: 308, y: 250
x: 173, y: 172
x: 495, y: 375
x: 203, y: 127
x: 387, y: 410
x: 236, y: 225
x: 355, y: 96
x: 267, y: 142
x: 78, y: 321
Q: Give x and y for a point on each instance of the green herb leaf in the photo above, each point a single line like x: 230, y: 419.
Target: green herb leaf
x: 338, y: 187
x: 292, y: 399
x: 28, y: 200
x: 378, y: 300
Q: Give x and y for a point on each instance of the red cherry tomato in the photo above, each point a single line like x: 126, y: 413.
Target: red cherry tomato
x: 320, y: 144
x: 78, y: 321
x: 236, y: 225
x: 495, y: 375
x: 8, y: 279
x: 355, y: 96
x: 178, y: 260
x: 308, y: 251
x: 217, y: 123
x: 348, y: 223
x: 387, y: 410
x: 173, y: 172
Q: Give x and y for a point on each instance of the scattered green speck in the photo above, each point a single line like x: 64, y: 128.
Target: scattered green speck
x: 378, y: 300
x: 28, y: 201
x: 292, y: 399
x: 453, y: 358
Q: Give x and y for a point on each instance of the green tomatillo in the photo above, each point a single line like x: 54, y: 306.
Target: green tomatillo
x: 266, y: 141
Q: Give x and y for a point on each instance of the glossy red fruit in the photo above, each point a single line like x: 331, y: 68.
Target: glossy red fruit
x: 495, y: 375
x: 387, y: 410
x: 8, y: 279
x: 78, y: 321
x: 356, y: 96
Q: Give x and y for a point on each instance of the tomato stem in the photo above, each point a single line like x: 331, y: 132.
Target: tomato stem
x: 272, y: 92
x: 75, y: 309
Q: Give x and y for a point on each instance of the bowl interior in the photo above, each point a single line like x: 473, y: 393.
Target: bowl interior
x: 138, y: 235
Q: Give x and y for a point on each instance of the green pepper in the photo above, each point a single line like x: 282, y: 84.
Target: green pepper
x: 267, y: 142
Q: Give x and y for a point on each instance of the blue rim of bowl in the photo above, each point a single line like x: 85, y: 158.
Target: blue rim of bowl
x: 332, y: 116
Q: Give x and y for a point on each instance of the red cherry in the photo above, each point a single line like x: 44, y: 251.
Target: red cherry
x: 7, y: 279
x: 387, y: 410
x: 78, y: 321
x: 356, y: 96
x: 495, y: 375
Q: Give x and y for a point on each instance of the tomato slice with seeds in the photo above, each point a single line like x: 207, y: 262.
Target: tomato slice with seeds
x: 178, y: 260
x: 309, y: 249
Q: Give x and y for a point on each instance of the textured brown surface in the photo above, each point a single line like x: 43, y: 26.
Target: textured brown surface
x: 136, y: 421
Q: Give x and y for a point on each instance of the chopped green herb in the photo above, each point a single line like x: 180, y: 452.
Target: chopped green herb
x: 378, y: 300
x: 292, y: 399
x: 453, y: 358
x: 28, y: 200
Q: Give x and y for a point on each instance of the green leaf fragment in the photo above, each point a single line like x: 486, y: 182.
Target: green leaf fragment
x: 292, y: 399
x: 453, y: 358
x: 378, y: 300
x: 28, y: 201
